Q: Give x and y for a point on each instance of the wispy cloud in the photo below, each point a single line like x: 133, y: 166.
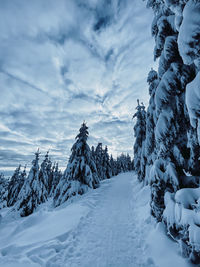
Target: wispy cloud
x: 66, y: 61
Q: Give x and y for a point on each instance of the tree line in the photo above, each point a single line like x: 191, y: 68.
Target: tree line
x: 85, y: 169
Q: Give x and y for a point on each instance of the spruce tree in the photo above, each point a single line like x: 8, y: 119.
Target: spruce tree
x: 45, y: 172
x: 81, y: 172
x: 33, y: 191
x: 107, y: 172
x: 166, y: 146
x: 113, y: 166
x: 140, y: 134
x: 172, y: 131
x: 15, y: 185
x: 3, y: 191
x: 99, y: 160
x: 93, y: 152
x: 151, y: 120
x: 56, y: 177
x: 129, y: 163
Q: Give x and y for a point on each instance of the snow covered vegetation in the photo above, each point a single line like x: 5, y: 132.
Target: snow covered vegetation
x: 86, y: 168
x: 166, y: 150
x: 80, y: 216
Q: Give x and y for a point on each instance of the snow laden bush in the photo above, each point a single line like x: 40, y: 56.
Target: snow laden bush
x: 81, y: 172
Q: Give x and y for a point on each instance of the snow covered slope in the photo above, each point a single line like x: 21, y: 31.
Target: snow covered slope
x: 109, y: 226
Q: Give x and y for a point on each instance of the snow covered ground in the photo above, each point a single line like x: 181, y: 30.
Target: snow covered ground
x: 109, y: 226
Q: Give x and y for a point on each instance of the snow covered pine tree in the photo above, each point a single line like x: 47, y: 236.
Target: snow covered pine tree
x: 139, y: 133
x: 172, y: 133
x: 33, y: 191
x: 45, y: 173
x: 107, y: 172
x: 99, y: 160
x: 81, y: 172
x: 15, y: 185
x: 56, y: 175
x: 3, y: 191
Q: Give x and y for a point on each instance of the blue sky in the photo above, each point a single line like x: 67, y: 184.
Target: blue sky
x: 66, y: 61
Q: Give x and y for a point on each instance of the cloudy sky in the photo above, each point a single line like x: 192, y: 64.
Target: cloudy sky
x: 66, y: 61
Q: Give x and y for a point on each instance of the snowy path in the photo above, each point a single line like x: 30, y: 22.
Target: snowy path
x: 107, y: 227
x: 110, y: 235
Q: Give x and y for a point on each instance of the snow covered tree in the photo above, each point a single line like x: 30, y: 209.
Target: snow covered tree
x: 93, y: 152
x: 81, y: 172
x: 123, y: 163
x: 56, y: 176
x: 151, y: 119
x: 140, y: 134
x: 33, y: 191
x: 129, y: 165
x: 15, y: 185
x: 13, y: 189
x: 168, y: 118
x: 107, y: 172
x: 113, y: 166
x: 3, y: 191
x: 45, y: 174
x: 49, y: 170
x: 99, y: 160
x: 172, y: 131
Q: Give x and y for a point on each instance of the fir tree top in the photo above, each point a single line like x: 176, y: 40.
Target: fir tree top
x: 17, y: 171
x: 140, y: 113
x: 83, y: 133
x: 35, y: 161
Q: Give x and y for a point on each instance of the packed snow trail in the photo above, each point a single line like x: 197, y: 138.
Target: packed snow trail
x: 107, y: 227
x: 110, y: 234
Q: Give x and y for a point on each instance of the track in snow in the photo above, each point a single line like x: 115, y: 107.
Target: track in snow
x: 106, y: 227
x: 111, y: 234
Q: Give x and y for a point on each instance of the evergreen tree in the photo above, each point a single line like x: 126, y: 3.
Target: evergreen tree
x: 3, y: 191
x: 167, y: 119
x: 15, y: 185
x: 151, y: 120
x: 129, y: 163
x: 194, y: 160
x: 172, y: 127
x: 23, y: 175
x: 113, y: 166
x: 81, y: 171
x: 140, y: 134
x: 56, y: 177
x: 49, y: 170
x: 107, y: 172
x: 93, y: 152
x: 33, y: 191
x: 124, y: 163
x: 99, y: 160
x: 44, y: 173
